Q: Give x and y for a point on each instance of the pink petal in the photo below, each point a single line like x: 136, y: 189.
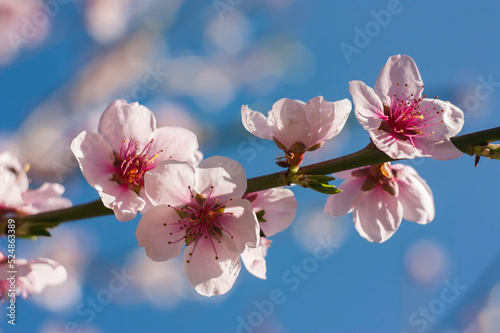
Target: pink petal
x: 377, y: 215
x: 241, y: 227
x: 121, y: 121
x: 254, y: 259
x: 47, y: 197
x: 256, y: 123
x: 95, y: 157
x: 168, y: 183
x: 415, y: 195
x: 44, y: 272
x: 393, y: 147
x: 288, y: 118
x: 210, y: 276
x: 398, y: 69
x: 226, y: 175
x: 367, y: 105
x: 342, y: 203
x: 154, y: 235
x: 124, y: 202
x: 12, y: 166
x: 10, y: 191
x: 173, y: 143
x: 446, y: 124
x: 326, y: 119
x: 280, y: 207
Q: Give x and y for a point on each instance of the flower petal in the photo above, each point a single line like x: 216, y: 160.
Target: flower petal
x: 280, y: 207
x: 415, y: 195
x: 256, y: 123
x: 220, y: 177
x: 173, y: 143
x: 44, y: 272
x: 367, y: 105
x: 95, y: 157
x: 377, y: 215
x: 45, y: 198
x: 124, y: 202
x: 399, y: 69
x: 157, y: 227
x: 326, y: 119
x: 445, y: 124
x: 288, y: 119
x: 210, y: 276
x: 241, y: 227
x: 168, y: 183
x: 121, y: 121
x: 342, y: 203
x: 254, y: 259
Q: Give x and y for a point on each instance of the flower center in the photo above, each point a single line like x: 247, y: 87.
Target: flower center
x: 406, y: 118
x: 378, y: 175
x: 131, y: 164
x: 200, y: 219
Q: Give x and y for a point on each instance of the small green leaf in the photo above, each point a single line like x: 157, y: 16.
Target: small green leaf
x: 324, y: 188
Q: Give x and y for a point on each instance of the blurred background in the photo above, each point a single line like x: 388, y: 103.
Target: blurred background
x: 194, y: 63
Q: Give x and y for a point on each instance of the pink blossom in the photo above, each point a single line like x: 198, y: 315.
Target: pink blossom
x: 203, y: 209
x: 297, y: 127
x: 19, y: 28
x: 126, y: 147
x: 401, y: 121
x: 380, y: 196
x: 31, y: 276
x: 15, y: 196
x: 276, y: 210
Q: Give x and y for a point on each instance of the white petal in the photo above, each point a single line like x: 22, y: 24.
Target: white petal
x: 342, y: 203
x: 221, y: 177
x: 398, y: 69
x: 95, y: 157
x: 157, y: 227
x: 208, y: 275
x: 377, y: 215
x: 280, y: 207
x: 254, y: 259
x: 45, y: 198
x: 367, y: 105
x: 241, y: 227
x: 121, y: 121
x: 256, y: 123
x: 289, y: 120
x: 326, y: 118
x: 44, y: 272
x: 415, y: 195
x: 168, y: 183
x: 174, y: 143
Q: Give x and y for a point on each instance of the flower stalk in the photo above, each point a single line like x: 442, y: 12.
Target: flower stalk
x: 367, y: 156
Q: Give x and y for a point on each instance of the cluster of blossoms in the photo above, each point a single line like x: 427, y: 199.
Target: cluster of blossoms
x: 203, y: 206
x: 16, y: 200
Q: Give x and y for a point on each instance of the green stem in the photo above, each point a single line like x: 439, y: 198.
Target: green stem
x: 366, y: 156
x: 84, y: 211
